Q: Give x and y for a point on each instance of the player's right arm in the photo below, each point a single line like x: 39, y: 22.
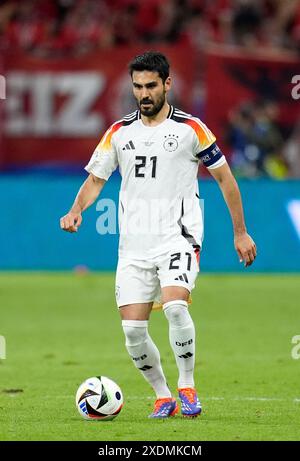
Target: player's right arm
x: 101, y: 165
x: 86, y: 196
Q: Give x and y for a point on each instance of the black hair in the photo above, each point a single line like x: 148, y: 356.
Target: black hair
x: 152, y: 61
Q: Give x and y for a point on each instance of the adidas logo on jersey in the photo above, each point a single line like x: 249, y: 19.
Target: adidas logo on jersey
x: 129, y: 146
x: 183, y: 278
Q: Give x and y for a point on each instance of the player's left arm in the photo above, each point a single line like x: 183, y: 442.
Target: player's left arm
x: 243, y: 243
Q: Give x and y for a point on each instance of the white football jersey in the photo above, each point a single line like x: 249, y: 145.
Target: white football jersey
x: 159, y: 197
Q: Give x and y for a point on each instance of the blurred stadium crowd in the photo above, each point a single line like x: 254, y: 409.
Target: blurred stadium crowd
x: 79, y: 26
x: 60, y: 28
x: 258, y: 145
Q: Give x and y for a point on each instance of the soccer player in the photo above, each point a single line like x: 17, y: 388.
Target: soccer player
x: 158, y: 149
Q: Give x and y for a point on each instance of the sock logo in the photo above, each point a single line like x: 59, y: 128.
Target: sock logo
x: 142, y: 357
x: 186, y: 356
x: 145, y: 368
x: 186, y: 343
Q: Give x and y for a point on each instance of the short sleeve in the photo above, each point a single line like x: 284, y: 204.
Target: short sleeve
x: 204, y: 146
x: 104, y: 160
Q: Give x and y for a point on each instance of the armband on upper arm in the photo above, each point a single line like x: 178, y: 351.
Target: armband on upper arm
x: 210, y: 155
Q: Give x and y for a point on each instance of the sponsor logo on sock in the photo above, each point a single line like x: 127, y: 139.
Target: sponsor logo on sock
x: 186, y: 356
x: 142, y: 357
x: 186, y: 343
x: 145, y: 368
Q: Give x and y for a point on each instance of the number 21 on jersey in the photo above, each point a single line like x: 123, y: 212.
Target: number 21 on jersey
x: 140, y: 166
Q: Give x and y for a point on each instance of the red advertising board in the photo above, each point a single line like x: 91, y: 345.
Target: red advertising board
x: 57, y: 109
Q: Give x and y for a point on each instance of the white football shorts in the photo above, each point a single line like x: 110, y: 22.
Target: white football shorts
x: 140, y: 281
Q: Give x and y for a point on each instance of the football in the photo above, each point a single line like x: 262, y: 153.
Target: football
x: 99, y: 398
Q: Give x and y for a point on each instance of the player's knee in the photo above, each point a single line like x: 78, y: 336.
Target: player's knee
x: 135, y: 331
x: 177, y: 313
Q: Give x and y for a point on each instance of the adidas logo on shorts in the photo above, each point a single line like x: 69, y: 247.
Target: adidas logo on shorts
x: 183, y: 278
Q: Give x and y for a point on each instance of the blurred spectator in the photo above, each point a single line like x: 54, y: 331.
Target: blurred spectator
x: 27, y: 28
x: 86, y: 28
x: 246, y: 22
x: 256, y: 141
x: 69, y: 26
x: 291, y: 152
x: 123, y: 14
x: 197, y: 31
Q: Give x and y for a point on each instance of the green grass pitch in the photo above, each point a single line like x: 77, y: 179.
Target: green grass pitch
x: 63, y: 328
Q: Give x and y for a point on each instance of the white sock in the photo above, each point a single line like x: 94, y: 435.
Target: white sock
x: 182, y: 340
x: 145, y: 355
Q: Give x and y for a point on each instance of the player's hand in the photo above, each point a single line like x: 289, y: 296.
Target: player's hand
x: 246, y: 248
x: 70, y: 222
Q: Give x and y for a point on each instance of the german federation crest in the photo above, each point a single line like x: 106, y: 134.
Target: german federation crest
x: 170, y: 143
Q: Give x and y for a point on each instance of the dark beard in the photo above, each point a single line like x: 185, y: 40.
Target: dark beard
x: 153, y: 110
